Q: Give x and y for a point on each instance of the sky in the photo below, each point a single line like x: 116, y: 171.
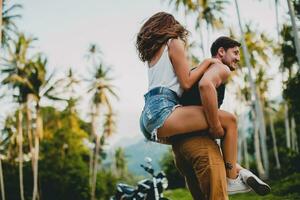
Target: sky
x: 65, y: 28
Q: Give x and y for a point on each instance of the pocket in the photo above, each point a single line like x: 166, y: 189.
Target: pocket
x: 154, y: 105
x: 142, y: 127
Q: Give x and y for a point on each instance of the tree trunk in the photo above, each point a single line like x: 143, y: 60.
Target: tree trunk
x: 20, y: 144
x: 1, y: 180
x: 94, y: 181
x: 38, y: 134
x: 91, y: 161
x: 208, y: 39
x: 29, y: 128
x: 287, y: 126
x: 294, y: 135
x: 92, y: 136
x: 96, y: 152
x: 295, y: 30
x: 245, y: 147
x: 201, y: 36
x: 239, y: 147
x: 277, y: 20
x: 258, y: 106
x: 274, y: 142
x: 259, y: 166
x: 1, y: 7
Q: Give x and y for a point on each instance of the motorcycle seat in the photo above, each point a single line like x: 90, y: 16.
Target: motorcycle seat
x: 126, y: 189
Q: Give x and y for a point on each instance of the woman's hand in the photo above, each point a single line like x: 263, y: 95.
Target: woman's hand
x: 215, y: 61
x: 211, y: 61
x: 216, y: 131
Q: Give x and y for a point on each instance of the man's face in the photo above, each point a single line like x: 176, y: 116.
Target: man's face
x: 231, y: 57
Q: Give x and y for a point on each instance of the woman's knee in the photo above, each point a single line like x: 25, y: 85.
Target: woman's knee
x: 228, y: 120
x: 232, y: 119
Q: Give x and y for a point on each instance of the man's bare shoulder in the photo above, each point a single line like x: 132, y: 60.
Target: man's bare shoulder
x: 220, y: 70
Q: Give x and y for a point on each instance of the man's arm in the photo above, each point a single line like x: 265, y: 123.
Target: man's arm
x: 213, y: 77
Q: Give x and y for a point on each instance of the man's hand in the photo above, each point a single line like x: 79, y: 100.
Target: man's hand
x: 216, y: 131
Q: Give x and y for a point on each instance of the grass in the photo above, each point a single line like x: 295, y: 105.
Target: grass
x: 285, y: 189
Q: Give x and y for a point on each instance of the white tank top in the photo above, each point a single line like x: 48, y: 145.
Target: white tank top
x: 162, y: 74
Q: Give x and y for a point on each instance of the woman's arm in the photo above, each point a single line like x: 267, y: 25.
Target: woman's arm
x: 178, y: 56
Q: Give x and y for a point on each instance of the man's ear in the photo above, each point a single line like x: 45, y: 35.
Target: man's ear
x: 221, y: 51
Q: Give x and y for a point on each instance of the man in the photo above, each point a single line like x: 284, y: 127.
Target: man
x: 197, y: 156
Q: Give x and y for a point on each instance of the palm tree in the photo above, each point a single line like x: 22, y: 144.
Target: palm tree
x: 70, y: 84
x: 286, y: 109
x: 262, y: 82
x: 295, y: 29
x: 244, y: 95
x: 294, y: 136
x: 101, y: 90
x: 259, y: 165
x: 7, y: 22
x: 5, y: 139
x: 42, y: 87
x: 1, y: 5
x: 275, y: 149
x: 209, y: 12
x: 93, y: 55
x: 120, y: 162
x: 289, y: 59
x: 17, y: 79
x: 1, y: 180
x: 258, y: 106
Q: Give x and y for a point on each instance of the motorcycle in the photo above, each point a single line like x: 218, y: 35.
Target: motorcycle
x: 147, y: 189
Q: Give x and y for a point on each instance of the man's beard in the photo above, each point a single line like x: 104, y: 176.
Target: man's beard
x: 228, y: 65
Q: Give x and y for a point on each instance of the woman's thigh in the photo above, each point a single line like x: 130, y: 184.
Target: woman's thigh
x: 184, y: 120
x: 191, y: 118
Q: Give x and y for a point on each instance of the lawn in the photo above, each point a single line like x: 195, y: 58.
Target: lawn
x: 285, y: 189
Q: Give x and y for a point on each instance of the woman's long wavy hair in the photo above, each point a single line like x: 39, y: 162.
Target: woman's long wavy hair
x: 155, y: 32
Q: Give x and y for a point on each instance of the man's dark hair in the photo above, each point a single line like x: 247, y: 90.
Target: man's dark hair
x: 225, y: 42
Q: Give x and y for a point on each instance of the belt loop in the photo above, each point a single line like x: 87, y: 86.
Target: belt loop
x: 161, y: 90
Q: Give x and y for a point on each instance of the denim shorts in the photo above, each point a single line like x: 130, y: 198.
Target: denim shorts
x: 159, y: 104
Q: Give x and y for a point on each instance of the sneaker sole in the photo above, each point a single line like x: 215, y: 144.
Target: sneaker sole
x: 261, y: 189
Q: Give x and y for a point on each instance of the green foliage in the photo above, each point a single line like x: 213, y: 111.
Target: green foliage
x: 63, y: 166
x: 10, y: 14
x: 291, y: 93
x: 287, y: 188
x: 11, y: 178
x: 106, y: 184
x: 288, y: 50
x: 178, y: 194
x: 174, y: 177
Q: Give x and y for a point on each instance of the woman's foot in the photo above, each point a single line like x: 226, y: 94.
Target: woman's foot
x: 237, y: 185
x: 254, y: 182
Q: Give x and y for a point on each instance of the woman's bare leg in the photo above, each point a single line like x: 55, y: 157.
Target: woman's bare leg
x: 192, y: 118
x: 184, y: 120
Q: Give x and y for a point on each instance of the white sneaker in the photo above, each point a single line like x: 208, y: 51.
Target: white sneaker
x: 237, y: 185
x: 254, y: 182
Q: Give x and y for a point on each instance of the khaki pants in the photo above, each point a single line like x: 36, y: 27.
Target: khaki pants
x: 200, y: 161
